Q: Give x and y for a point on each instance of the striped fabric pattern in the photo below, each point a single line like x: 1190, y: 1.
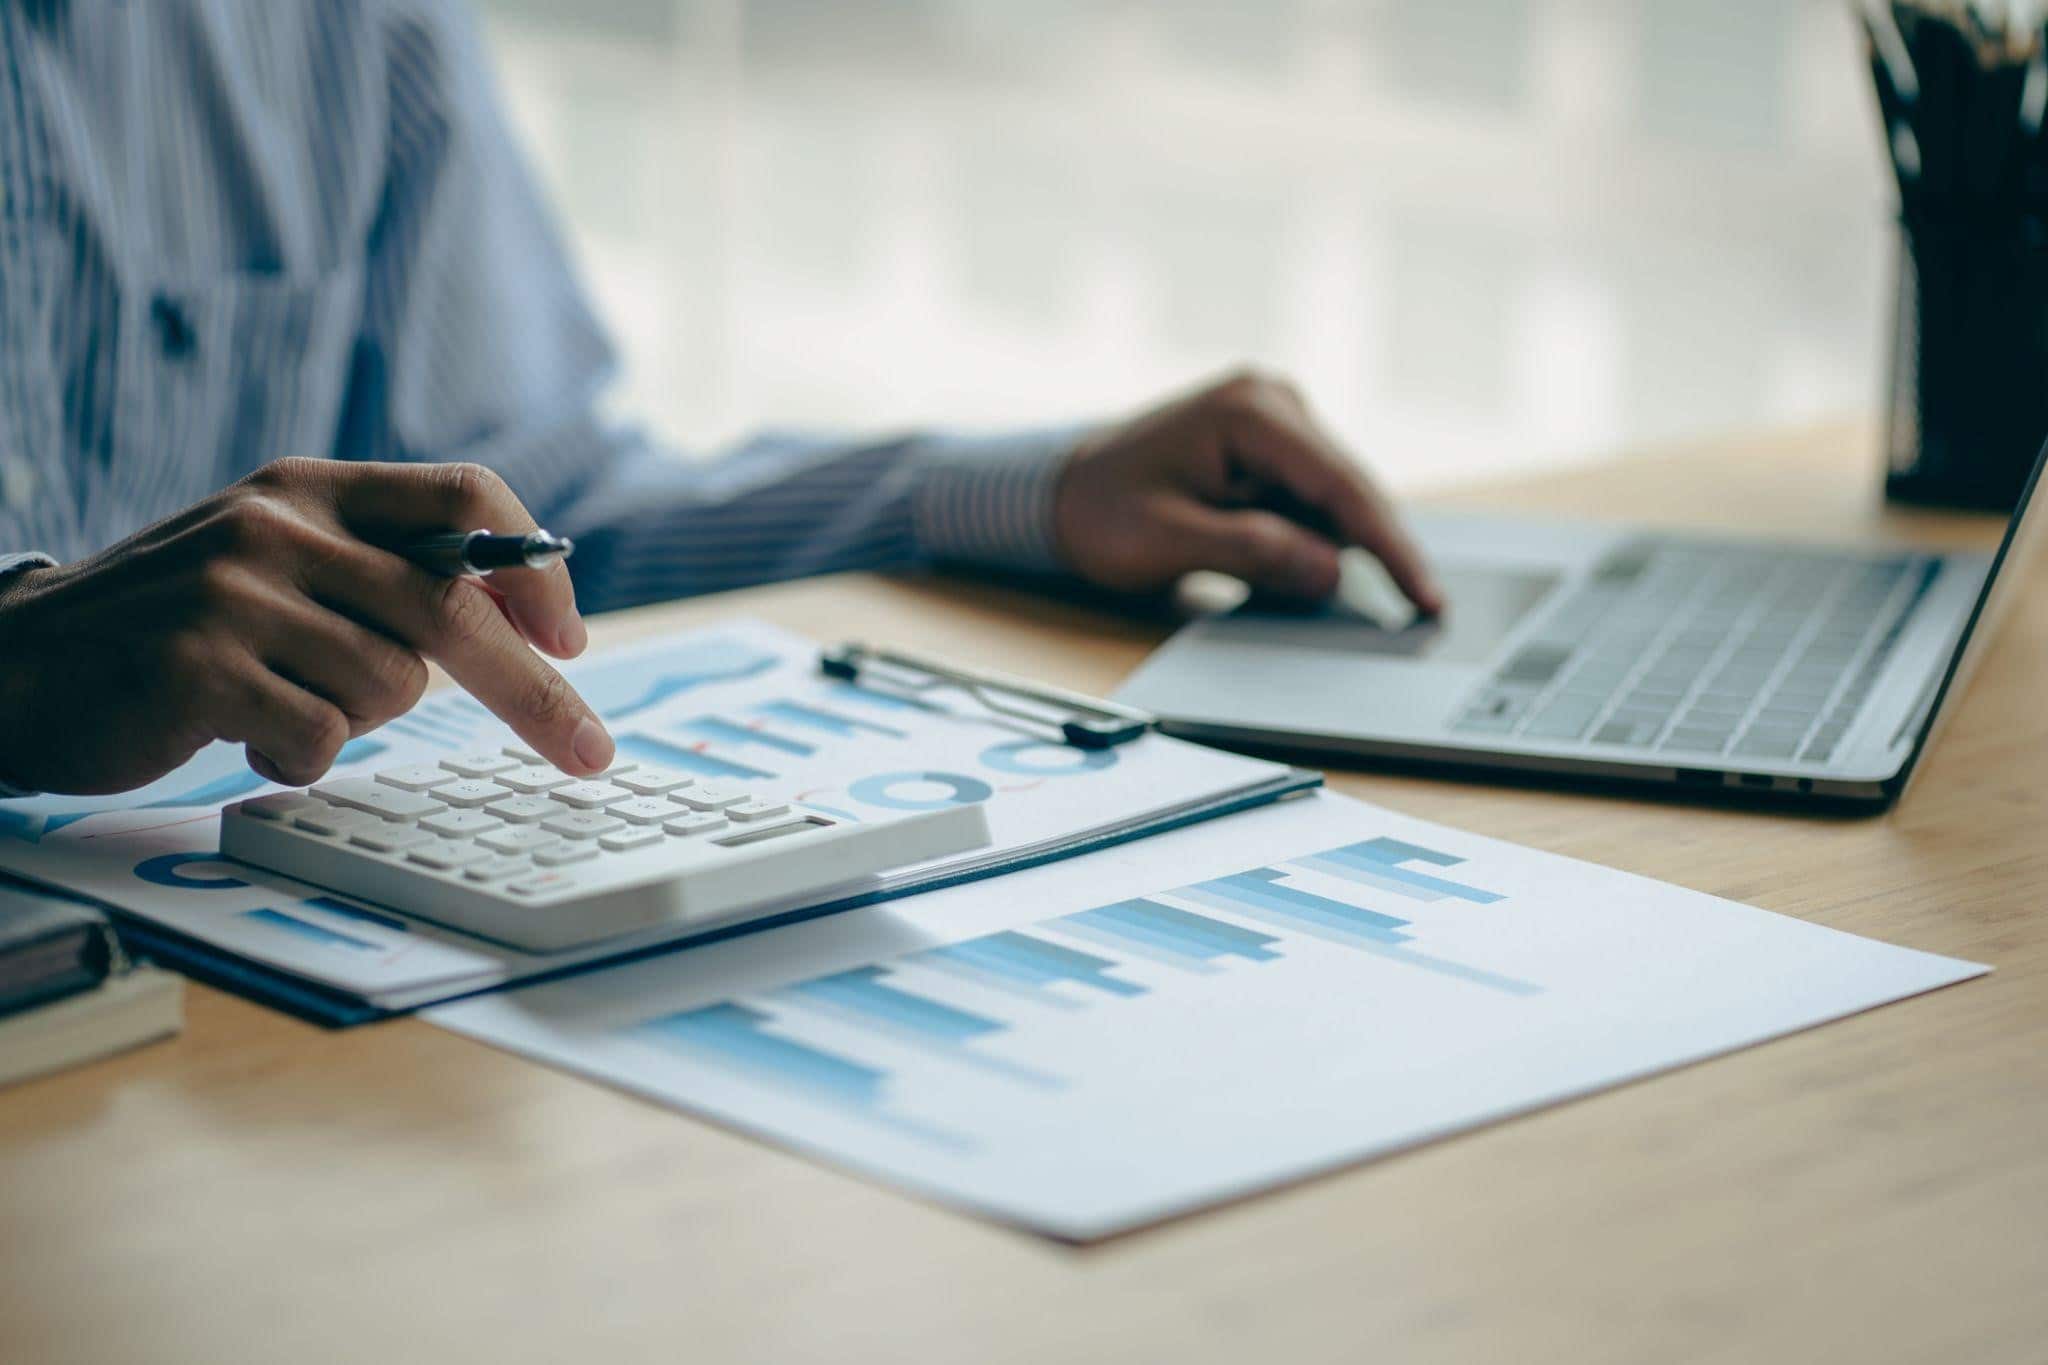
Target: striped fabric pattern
x: 234, y: 230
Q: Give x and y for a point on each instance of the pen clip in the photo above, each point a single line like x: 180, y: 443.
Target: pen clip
x: 1088, y: 722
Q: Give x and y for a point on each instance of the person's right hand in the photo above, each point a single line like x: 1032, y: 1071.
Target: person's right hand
x: 277, y: 614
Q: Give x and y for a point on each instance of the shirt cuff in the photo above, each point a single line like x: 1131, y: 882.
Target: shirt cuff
x: 989, y: 499
x: 29, y: 559
x: 14, y: 563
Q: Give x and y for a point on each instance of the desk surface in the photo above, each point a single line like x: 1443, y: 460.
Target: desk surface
x: 1876, y: 1189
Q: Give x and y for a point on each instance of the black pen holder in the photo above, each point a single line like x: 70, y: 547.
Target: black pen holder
x: 1969, y: 370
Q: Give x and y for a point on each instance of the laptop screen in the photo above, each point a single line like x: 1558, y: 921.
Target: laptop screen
x: 2011, y: 568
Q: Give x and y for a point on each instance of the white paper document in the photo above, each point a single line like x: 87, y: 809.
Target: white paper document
x: 1099, y: 1043
x: 743, y: 702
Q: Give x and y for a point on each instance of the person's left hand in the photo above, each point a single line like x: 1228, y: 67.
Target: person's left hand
x: 1239, y: 477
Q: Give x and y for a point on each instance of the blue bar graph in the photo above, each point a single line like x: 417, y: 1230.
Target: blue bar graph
x: 1378, y: 863
x: 885, y: 701
x: 622, y: 690
x: 313, y: 933
x: 875, y: 1017
x: 862, y: 997
x: 333, y: 906
x: 1024, y: 961
x: 862, y: 991
x: 829, y: 722
x: 214, y: 793
x: 1260, y: 894
x: 1182, y: 937
x: 733, y: 1033
x: 730, y: 732
x: 647, y: 749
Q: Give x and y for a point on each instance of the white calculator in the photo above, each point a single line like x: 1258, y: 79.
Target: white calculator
x: 502, y: 845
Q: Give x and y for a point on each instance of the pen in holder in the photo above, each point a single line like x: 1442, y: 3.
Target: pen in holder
x: 1963, y: 95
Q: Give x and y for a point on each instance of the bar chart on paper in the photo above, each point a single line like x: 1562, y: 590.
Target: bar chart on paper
x: 887, y: 1041
x: 1090, y: 1045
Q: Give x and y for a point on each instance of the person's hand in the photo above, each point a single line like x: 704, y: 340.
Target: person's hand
x: 278, y: 615
x: 1237, y: 477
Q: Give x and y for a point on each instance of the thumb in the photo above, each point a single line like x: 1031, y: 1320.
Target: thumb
x: 1263, y: 548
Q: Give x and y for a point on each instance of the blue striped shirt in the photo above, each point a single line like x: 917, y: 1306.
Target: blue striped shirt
x: 233, y: 230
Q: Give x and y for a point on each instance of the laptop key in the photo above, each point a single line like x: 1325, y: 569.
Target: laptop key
x: 1696, y: 741
x: 1535, y: 664
x: 1625, y: 732
x: 1565, y: 718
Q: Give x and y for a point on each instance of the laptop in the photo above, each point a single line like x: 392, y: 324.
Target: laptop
x: 1617, y: 654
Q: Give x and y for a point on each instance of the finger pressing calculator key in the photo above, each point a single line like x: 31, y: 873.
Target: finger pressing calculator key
x: 505, y: 846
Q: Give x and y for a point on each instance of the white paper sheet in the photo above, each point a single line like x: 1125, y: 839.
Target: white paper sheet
x: 743, y: 701
x: 1099, y: 1043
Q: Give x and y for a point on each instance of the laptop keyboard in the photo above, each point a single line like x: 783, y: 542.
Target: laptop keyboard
x: 1702, y: 650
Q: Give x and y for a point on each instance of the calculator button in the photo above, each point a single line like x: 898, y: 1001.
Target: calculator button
x: 479, y: 765
x: 377, y: 799
x: 542, y: 883
x: 284, y: 805
x: 651, y: 781
x: 414, y: 777
x: 756, y: 810
x: 518, y: 839
x: 589, y: 795
x: 334, y: 820
x: 460, y: 824
x: 344, y: 791
x: 617, y: 766
x: 561, y: 854
x: 523, y: 810
x: 642, y: 810
x: 708, y: 796
x: 470, y: 792
x: 534, y: 777
x: 697, y: 822
x: 522, y: 753
x: 639, y: 836
x: 497, y: 869
x: 582, y: 824
x: 450, y: 853
x: 387, y: 838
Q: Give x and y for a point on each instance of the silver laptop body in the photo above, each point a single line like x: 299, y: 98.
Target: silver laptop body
x: 1603, y: 652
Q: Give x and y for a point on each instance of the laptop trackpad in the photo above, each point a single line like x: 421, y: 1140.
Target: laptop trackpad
x: 1364, y: 618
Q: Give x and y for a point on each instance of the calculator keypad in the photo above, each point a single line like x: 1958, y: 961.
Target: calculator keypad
x: 509, y: 821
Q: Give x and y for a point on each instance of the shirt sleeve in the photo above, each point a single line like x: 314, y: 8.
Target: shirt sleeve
x: 786, y: 505
x: 479, y: 344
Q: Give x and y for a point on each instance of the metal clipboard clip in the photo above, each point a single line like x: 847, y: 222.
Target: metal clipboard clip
x: 1084, y: 722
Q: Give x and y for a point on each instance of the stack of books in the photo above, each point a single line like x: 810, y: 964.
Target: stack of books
x: 68, y: 994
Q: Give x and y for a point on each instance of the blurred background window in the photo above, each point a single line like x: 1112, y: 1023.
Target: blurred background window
x: 1485, y: 235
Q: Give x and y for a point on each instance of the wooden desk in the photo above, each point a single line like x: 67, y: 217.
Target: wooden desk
x: 1873, y: 1190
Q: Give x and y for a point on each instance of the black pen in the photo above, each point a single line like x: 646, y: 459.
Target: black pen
x: 456, y: 553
